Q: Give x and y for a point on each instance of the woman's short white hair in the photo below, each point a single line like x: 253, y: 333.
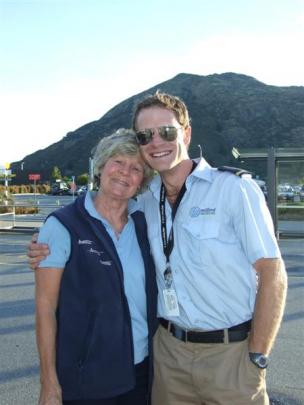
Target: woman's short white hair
x: 121, y: 142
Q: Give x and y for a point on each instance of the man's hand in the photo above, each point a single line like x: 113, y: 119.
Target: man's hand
x: 36, y: 252
x: 50, y: 395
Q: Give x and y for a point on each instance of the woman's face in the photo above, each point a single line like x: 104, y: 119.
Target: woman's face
x: 122, y: 176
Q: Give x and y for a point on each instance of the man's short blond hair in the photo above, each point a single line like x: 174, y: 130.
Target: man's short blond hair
x: 164, y: 100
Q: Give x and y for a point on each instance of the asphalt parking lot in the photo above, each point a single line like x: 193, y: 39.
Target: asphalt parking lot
x: 19, y: 372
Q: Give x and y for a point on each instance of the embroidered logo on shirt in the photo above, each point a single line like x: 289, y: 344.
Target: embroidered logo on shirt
x: 97, y: 252
x: 106, y: 262
x: 84, y: 242
x: 196, y: 211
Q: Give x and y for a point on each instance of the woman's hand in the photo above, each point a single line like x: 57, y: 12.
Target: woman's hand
x: 36, y: 252
x: 50, y: 394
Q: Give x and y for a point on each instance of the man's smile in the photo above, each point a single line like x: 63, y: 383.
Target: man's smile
x: 160, y: 154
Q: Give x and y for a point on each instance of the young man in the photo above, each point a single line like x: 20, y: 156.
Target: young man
x: 219, y: 270
x: 221, y: 279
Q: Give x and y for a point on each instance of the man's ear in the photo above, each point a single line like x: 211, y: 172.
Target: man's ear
x: 187, y: 136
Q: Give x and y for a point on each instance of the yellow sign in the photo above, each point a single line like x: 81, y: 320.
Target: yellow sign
x: 7, y: 165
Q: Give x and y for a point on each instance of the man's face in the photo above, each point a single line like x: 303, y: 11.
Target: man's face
x: 160, y: 154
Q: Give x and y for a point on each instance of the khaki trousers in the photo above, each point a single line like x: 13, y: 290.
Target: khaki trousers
x: 205, y: 374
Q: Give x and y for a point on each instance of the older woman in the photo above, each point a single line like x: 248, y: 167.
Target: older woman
x: 96, y: 291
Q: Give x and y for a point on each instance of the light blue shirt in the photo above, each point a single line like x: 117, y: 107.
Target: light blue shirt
x: 58, y: 238
x: 222, y: 227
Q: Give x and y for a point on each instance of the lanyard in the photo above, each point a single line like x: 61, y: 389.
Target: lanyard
x: 168, y: 242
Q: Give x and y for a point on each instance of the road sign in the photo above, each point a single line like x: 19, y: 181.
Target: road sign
x: 5, y: 172
x: 34, y: 176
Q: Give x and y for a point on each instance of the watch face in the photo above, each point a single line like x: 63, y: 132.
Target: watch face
x: 259, y: 359
x: 262, y: 361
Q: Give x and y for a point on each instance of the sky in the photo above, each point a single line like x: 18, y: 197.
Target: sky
x: 64, y: 63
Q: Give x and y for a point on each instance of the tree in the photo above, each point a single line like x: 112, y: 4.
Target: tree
x: 82, y: 179
x: 56, y: 173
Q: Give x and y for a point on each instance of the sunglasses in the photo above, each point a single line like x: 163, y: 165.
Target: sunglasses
x: 167, y: 133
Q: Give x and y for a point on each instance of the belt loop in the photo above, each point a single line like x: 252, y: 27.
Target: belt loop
x: 226, y: 336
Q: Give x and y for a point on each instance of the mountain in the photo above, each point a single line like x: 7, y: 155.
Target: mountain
x: 226, y: 110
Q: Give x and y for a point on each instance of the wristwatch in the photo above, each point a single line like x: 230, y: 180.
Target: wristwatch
x: 259, y: 359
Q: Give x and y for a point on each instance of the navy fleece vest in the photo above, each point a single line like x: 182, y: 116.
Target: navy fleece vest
x: 94, y: 337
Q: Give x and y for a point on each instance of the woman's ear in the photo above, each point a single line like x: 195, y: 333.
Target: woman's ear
x: 97, y: 179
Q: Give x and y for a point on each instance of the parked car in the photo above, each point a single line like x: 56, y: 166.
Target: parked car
x: 302, y: 193
x: 59, y: 189
x: 285, y: 193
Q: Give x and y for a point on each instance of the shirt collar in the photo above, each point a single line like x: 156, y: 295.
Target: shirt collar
x: 133, y: 206
x: 90, y: 207
x: 203, y: 170
x: 155, y: 184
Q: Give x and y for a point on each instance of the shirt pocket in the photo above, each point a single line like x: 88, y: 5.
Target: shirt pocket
x: 198, y: 242
x: 202, y: 230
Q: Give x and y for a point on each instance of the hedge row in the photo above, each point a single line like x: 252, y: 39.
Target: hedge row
x: 19, y: 210
x: 27, y: 188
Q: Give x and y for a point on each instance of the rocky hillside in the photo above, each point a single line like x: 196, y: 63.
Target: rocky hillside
x: 226, y: 110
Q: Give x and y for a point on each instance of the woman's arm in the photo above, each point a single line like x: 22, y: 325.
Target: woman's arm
x: 47, y: 292
x: 51, y: 247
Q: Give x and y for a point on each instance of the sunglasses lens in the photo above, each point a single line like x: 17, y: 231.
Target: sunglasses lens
x: 144, y: 137
x: 168, y: 133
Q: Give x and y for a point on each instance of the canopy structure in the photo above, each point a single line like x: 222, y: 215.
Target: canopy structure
x: 272, y: 156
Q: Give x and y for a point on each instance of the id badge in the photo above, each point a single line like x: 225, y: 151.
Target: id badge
x: 171, y: 302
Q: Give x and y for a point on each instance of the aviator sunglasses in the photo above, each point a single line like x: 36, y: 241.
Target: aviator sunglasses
x: 167, y: 133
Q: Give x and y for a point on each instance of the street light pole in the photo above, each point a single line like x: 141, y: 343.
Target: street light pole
x: 91, y: 174
x: 6, y: 173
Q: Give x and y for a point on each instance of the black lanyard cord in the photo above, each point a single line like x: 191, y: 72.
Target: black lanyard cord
x: 168, y: 243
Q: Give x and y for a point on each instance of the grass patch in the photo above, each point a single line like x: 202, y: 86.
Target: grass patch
x: 291, y: 214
